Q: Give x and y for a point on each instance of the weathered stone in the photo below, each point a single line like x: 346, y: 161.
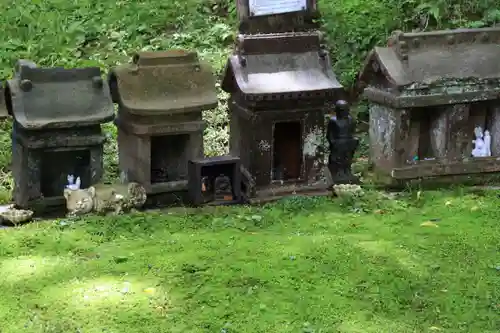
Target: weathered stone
x: 56, y: 132
x: 428, y: 92
x: 495, y: 129
x: 280, y: 86
x: 160, y: 98
x: 343, y: 144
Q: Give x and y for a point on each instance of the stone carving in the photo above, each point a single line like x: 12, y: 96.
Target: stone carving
x: 223, y: 191
x: 11, y: 215
x: 487, y: 143
x: 103, y: 198
x: 479, y: 146
x: 482, y: 143
x: 343, y: 144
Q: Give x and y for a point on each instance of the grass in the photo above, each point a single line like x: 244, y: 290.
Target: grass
x: 302, y: 265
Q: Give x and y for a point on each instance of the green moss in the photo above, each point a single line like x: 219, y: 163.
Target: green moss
x: 302, y: 265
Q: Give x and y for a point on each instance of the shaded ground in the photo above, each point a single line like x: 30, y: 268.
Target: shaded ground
x: 303, y: 265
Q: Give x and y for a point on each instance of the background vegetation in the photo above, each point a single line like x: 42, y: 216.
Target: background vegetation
x: 74, y: 33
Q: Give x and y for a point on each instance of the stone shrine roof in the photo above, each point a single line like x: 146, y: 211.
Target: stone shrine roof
x: 160, y: 83
x: 42, y: 98
x: 284, y: 67
x: 423, y: 61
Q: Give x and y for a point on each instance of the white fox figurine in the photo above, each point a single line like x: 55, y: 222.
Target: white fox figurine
x: 487, y: 143
x: 72, y: 184
x: 479, y: 144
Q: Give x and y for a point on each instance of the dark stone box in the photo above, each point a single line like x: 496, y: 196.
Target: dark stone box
x: 205, y: 180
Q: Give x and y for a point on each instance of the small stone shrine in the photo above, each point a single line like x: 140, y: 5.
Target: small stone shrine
x: 215, y: 181
x: 160, y: 98
x: 431, y: 95
x: 281, y: 83
x: 56, y: 132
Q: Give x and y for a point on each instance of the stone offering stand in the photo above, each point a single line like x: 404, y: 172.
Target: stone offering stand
x: 281, y: 85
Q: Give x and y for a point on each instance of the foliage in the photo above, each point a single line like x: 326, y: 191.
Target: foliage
x: 302, y: 265
x: 354, y: 27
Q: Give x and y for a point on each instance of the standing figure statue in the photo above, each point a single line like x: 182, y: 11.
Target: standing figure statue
x: 343, y: 144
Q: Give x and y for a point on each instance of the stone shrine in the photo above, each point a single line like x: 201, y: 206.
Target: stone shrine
x: 281, y: 84
x: 160, y: 98
x: 56, y: 132
x: 429, y: 93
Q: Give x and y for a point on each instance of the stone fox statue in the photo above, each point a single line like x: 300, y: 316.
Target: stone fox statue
x: 102, y: 199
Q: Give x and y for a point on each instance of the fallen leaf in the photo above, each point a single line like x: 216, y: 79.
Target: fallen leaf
x: 149, y: 290
x: 429, y: 224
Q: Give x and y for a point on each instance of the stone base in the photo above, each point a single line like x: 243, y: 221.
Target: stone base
x: 383, y: 180
x: 167, y: 199
x: 47, y: 207
x: 277, y: 192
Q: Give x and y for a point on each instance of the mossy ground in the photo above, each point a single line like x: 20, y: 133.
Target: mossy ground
x: 301, y: 265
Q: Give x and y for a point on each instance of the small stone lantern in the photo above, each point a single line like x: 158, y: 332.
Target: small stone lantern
x: 160, y: 98
x: 56, y: 132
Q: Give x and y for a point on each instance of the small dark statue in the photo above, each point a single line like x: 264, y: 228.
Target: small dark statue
x: 223, y: 190
x: 206, y: 190
x: 343, y: 144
